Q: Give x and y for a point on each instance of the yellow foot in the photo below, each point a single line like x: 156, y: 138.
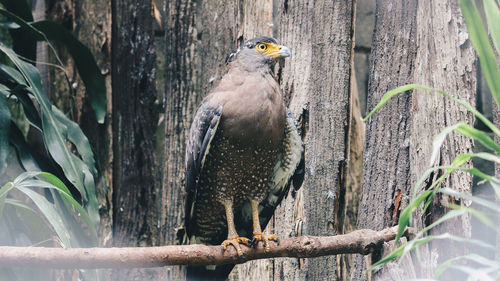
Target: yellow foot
x: 235, y: 241
x: 265, y: 238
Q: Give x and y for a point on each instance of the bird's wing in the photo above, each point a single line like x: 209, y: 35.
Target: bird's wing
x: 289, y: 169
x: 202, y: 131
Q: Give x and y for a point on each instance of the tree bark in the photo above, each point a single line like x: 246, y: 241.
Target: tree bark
x: 135, y: 117
x: 433, y: 50
x: 317, y: 85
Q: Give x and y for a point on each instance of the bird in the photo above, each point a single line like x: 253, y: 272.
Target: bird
x: 243, y: 152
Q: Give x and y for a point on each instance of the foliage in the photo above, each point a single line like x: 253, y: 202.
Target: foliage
x: 54, y: 203
x: 484, y: 268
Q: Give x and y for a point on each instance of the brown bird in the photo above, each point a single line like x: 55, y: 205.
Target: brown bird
x: 244, y: 150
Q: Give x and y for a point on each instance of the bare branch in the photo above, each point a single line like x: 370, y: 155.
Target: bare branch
x: 363, y: 241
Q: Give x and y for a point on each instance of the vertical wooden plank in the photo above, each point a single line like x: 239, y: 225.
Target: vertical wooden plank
x: 386, y: 155
x: 445, y: 60
x: 317, y: 83
x: 135, y: 117
x: 433, y: 50
x: 182, y: 95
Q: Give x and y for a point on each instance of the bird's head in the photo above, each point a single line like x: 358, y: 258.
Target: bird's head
x: 259, y: 51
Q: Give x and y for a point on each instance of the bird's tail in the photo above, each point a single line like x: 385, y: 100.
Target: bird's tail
x: 203, y: 273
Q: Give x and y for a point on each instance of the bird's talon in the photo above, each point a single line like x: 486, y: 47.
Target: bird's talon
x: 265, y: 238
x: 252, y: 241
x: 235, y: 241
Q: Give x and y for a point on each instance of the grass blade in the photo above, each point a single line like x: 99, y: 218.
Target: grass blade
x: 480, y: 40
x: 387, y: 96
x: 492, y: 18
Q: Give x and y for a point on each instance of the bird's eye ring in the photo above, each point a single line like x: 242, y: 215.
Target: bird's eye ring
x: 261, y: 47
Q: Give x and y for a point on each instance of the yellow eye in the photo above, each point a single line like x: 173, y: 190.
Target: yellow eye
x: 261, y: 47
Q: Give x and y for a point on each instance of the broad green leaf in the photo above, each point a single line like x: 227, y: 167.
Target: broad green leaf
x: 29, y: 108
x: 11, y: 75
x: 480, y: 40
x: 24, y: 150
x: 55, y: 135
x: 79, y: 139
x: 4, y: 133
x: 492, y: 17
x: 32, y: 221
x: 84, y: 60
x: 50, y: 213
x: 23, y: 45
x: 70, y: 203
x: 85, y: 63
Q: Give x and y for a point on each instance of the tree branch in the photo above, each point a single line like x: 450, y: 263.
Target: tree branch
x: 363, y: 241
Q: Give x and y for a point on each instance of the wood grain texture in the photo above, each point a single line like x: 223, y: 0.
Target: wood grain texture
x: 316, y: 84
x: 433, y: 50
x: 386, y: 155
x: 135, y: 117
x: 446, y: 60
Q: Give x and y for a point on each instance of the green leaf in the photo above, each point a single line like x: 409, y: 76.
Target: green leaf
x: 466, y: 105
x: 55, y: 136
x: 24, y: 151
x: 72, y: 204
x: 467, y: 131
x: 22, y: 44
x: 84, y: 60
x: 32, y: 220
x: 481, y: 42
x: 79, y: 139
x: 85, y: 63
x: 11, y: 75
x: 480, y: 201
x: 404, y: 218
x: 4, y: 133
x: 3, y: 195
x: 492, y: 17
x: 50, y: 213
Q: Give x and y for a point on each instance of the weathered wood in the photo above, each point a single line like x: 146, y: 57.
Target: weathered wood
x: 386, y: 155
x: 135, y: 117
x: 445, y: 60
x: 316, y: 83
x: 182, y: 95
x: 433, y: 50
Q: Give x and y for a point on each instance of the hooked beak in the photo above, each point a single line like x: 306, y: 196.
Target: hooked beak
x: 284, y: 52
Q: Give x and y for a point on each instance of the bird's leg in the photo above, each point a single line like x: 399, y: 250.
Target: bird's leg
x: 232, y: 235
x: 257, y: 231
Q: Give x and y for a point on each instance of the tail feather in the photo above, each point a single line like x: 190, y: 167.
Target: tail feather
x: 201, y: 273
